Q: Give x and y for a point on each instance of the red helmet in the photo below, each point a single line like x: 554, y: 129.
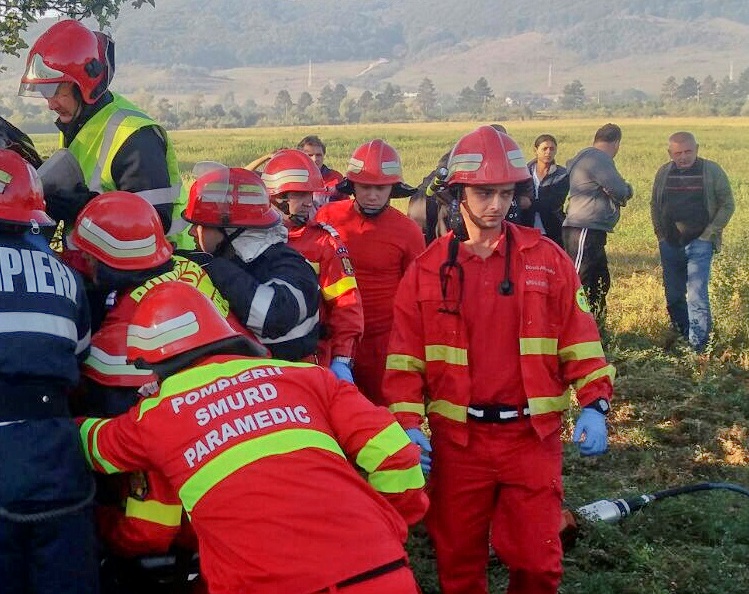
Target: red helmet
x: 21, y: 192
x: 107, y: 364
x: 486, y: 156
x: 230, y: 197
x: 291, y: 170
x: 123, y: 231
x: 376, y: 163
x: 67, y: 52
x: 174, y: 318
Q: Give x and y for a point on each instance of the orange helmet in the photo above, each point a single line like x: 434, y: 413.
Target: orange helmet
x: 229, y: 197
x: 486, y: 156
x: 123, y: 231
x: 173, y: 318
x: 375, y: 163
x: 21, y: 192
x: 68, y: 52
x: 291, y: 170
x: 107, y: 364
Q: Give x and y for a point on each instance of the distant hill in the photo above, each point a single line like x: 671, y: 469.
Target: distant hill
x: 256, y: 48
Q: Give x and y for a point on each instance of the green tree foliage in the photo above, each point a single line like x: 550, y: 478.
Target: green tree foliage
x: 426, y: 97
x: 573, y: 95
x: 482, y: 91
x: 305, y: 100
x: 283, y: 105
x: 16, y: 15
x: 688, y: 89
x: 668, y: 90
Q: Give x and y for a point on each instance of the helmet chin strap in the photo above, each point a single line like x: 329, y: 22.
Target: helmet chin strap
x: 226, y: 242
x: 371, y: 212
x: 298, y: 219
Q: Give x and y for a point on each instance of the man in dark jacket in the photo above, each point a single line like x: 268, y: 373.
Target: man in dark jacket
x: 691, y: 204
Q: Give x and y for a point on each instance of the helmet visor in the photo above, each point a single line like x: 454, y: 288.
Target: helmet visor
x: 43, y: 90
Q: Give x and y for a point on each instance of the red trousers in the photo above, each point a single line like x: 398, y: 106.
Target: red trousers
x: 369, y: 366
x: 400, y: 581
x: 504, y: 487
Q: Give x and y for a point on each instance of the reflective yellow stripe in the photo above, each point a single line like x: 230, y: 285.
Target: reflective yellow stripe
x: 339, y: 288
x: 607, y: 371
x: 582, y: 351
x: 407, y: 407
x: 545, y: 404
x: 154, y: 511
x: 273, y: 444
x: 404, y: 363
x: 448, y: 354
x: 92, y: 452
x: 383, y: 445
x: 315, y: 266
x: 397, y: 481
x: 538, y: 346
x: 448, y: 410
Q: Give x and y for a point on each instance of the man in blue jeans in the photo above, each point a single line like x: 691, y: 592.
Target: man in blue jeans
x: 691, y: 204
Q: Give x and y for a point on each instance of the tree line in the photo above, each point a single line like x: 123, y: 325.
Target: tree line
x: 335, y: 105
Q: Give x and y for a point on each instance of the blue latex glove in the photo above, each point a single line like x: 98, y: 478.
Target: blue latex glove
x: 592, y: 425
x: 417, y: 436
x: 342, y: 371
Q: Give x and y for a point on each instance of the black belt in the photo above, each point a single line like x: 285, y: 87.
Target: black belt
x: 372, y: 573
x: 24, y: 403
x: 499, y: 413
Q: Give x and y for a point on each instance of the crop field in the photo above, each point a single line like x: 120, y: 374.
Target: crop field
x: 678, y: 418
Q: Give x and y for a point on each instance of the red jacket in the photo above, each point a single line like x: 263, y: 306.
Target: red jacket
x: 260, y: 452
x: 341, y: 307
x: 381, y: 249
x: 438, y: 353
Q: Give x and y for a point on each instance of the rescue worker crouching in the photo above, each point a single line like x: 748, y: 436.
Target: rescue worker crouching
x: 258, y: 451
x: 381, y: 241
x: 269, y: 286
x: 292, y: 178
x: 495, y: 329
x: 121, y: 237
x: 45, y: 492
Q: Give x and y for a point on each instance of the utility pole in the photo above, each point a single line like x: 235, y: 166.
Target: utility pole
x: 551, y: 65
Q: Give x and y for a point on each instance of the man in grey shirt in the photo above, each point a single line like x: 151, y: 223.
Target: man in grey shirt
x: 597, y: 193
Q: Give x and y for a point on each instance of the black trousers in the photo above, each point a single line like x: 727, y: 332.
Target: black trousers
x: 587, y: 248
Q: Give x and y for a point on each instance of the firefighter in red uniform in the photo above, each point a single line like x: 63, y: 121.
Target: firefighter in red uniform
x: 291, y: 178
x: 495, y: 330
x: 258, y: 450
x: 382, y: 242
x: 121, y: 236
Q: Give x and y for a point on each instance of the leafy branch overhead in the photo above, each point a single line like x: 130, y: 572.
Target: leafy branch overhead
x: 16, y: 15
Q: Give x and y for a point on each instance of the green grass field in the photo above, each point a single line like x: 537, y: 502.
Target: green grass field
x: 678, y: 418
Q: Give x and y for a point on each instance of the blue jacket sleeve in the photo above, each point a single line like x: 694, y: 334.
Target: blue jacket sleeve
x: 276, y: 296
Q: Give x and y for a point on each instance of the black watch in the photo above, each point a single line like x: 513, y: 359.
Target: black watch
x: 601, y: 405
